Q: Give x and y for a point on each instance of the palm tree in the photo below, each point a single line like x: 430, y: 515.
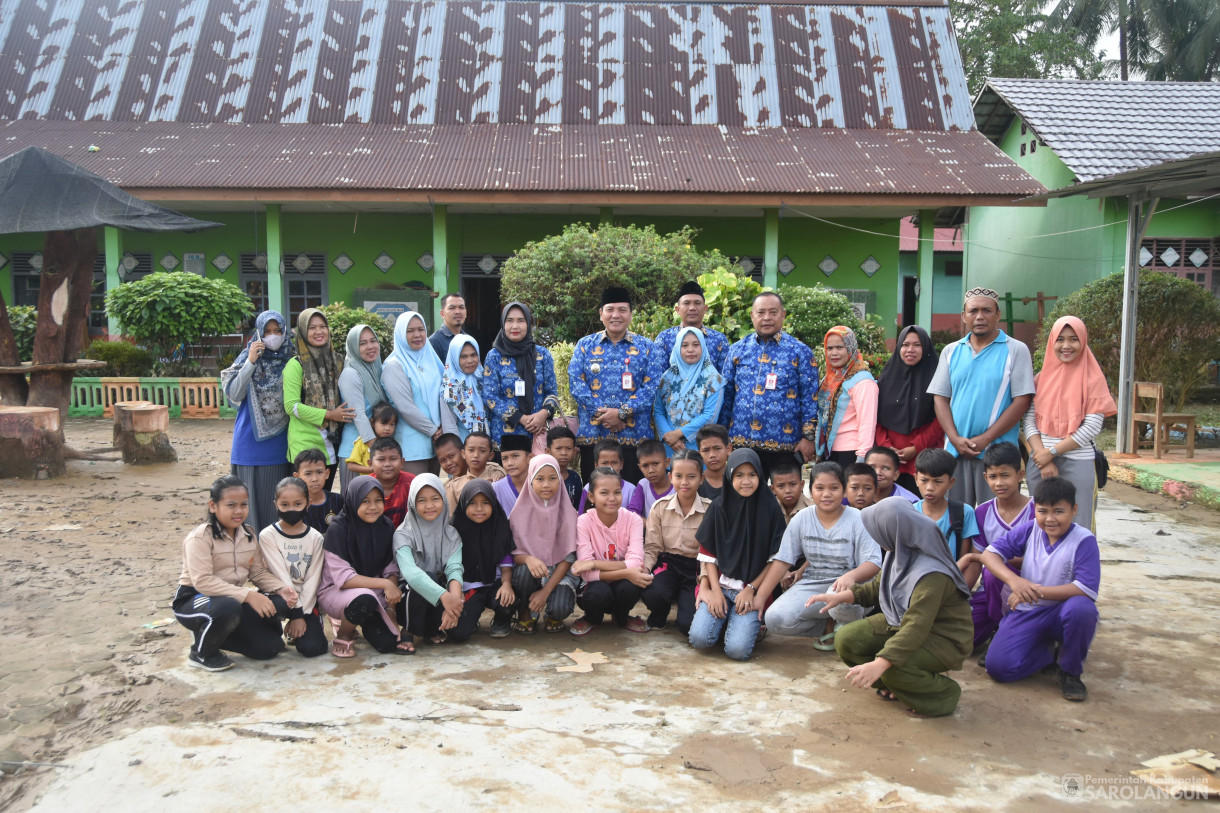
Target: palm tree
x: 1090, y: 19
x: 1186, y: 37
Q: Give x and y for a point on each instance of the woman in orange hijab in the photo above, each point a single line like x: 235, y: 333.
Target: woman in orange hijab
x: 1071, y: 401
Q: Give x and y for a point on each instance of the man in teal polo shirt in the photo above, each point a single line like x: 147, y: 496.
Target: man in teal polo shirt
x: 982, y: 387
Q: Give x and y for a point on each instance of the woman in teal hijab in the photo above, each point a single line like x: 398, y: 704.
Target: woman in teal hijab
x: 690, y: 393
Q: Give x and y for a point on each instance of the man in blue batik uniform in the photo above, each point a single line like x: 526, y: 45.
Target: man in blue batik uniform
x: 691, y: 308
x: 771, y: 391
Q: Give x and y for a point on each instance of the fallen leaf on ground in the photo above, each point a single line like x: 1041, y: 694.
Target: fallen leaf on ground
x: 584, y: 661
x: 62, y: 528
x: 891, y: 799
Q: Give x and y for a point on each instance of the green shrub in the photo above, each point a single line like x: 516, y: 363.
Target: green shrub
x: 343, y: 318
x: 23, y: 319
x: 728, y: 296
x: 941, y: 338
x: 122, y: 359
x: 813, y: 311
x: 563, y: 276
x: 562, y: 354
x: 1177, y: 331
x: 165, y: 310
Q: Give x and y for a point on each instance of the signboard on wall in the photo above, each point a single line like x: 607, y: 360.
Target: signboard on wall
x: 193, y: 262
x: 389, y: 310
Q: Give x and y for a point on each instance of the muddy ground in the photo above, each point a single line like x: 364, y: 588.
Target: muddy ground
x: 86, y: 561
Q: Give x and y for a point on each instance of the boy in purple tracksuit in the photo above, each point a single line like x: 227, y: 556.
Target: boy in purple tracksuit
x: 1052, y: 603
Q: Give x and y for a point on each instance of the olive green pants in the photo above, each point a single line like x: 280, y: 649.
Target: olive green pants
x: 918, y: 683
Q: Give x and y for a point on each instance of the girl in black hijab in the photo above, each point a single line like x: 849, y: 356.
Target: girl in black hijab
x: 739, y: 534
x: 359, y: 576
x: 487, y: 561
x: 906, y: 411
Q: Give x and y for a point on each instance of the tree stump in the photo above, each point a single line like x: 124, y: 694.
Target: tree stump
x: 142, y: 433
x: 117, y: 407
x: 31, y: 443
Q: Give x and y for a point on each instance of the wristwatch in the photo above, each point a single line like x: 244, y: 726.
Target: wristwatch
x: 1054, y: 450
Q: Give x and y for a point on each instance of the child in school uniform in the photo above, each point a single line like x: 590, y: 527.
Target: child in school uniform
x: 654, y: 465
x: 788, y: 487
x: 714, y: 448
x: 544, y: 528
x: 428, y: 551
x: 839, y: 552
x: 609, y: 557
x: 309, y: 466
x: 1053, y: 602
x: 861, y: 489
x: 934, y: 474
x: 740, y: 533
x: 476, y: 452
x: 561, y: 445
x: 670, y: 548
x: 293, y: 552
x: 385, y: 422
x: 887, y: 465
x: 1009, y: 508
x: 515, y: 455
x: 487, y: 561
x: 607, y: 454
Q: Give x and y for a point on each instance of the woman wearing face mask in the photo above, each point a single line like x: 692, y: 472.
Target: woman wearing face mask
x: 254, y: 384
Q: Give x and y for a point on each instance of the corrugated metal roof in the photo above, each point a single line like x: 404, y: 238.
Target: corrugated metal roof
x: 946, y: 240
x: 505, y: 157
x: 454, y: 62
x: 1103, y: 128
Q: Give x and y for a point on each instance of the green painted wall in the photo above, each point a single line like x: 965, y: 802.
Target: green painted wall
x: 406, y: 237
x: 1086, y: 236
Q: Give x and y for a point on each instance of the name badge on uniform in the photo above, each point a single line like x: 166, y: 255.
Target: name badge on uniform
x: 519, y: 388
x: 628, y: 382
x: 772, y: 381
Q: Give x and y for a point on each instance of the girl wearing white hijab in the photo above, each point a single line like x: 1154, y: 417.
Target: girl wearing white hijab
x: 924, y: 628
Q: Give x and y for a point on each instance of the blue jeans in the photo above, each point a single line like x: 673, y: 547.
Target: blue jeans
x: 739, y: 638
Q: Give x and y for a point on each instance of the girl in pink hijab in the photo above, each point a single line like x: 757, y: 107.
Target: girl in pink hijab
x: 544, y: 526
x: 1071, y: 400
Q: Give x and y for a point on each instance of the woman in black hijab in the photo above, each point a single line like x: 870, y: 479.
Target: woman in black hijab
x: 906, y: 412
x: 739, y: 534
x: 487, y: 561
x: 359, y: 575
x: 519, y: 382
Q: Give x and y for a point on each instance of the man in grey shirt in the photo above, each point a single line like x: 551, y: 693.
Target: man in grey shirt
x: 983, y: 387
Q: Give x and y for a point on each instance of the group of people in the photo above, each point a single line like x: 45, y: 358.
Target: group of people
x: 911, y: 548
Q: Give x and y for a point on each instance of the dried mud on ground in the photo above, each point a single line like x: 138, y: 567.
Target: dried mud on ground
x: 87, y: 560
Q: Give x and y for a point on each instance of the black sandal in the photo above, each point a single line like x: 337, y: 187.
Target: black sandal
x: 409, y: 641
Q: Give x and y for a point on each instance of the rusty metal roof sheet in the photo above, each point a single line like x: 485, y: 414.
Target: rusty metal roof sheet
x: 524, y: 157
x: 1100, y: 128
x: 947, y: 240
x: 864, y: 65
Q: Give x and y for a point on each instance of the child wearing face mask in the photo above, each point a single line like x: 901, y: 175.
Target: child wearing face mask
x: 293, y: 553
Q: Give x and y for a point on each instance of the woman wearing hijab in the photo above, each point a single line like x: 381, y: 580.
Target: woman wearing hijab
x: 519, y: 382
x: 847, y: 401
x: 360, y: 388
x: 255, y: 385
x: 544, y: 527
x: 316, y: 413
x: 462, y: 388
x: 906, y: 411
x: 740, y: 532
x: 690, y: 393
x: 429, y: 555
x: 1071, y: 401
x: 487, y: 561
x: 359, y: 574
x: 412, y: 377
x: 924, y: 628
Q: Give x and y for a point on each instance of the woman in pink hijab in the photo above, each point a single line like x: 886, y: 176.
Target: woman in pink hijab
x: 1071, y: 400
x: 544, y: 526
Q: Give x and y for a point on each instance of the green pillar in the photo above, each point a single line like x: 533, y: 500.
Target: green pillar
x: 275, y: 280
x: 440, y: 259
x: 771, y: 248
x: 606, y: 216
x: 927, y: 231
x: 114, y: 257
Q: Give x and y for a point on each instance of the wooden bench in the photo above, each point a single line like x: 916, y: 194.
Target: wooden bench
x: 1160, y: 421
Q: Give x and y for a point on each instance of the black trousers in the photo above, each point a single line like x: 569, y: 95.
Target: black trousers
x: 844, y: 459
x: 673, y: 579
x: 769, y: 459
x: 225, y: 623
x: 365, y: 612
x: 423, y: 618
x: 478, y: 600
x: 631, y: 466
x: 313, y: 642
x: 616, y: 598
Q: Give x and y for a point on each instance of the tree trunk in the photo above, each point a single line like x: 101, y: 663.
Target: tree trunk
x: 63, y: 302
x: 13, y: 388
x: 141, y: 430
x: 1122, y: 39
x: 31, y: 442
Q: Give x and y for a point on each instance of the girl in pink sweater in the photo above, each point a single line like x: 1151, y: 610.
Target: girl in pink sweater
x: 609, y: 557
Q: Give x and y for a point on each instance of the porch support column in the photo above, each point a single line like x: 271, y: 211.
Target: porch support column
x: 275, y: 250
x: 927, y: 231
x: 114, y: 258
x: 440, y: 259
x: 1139, y: 212
x: 771, y: 248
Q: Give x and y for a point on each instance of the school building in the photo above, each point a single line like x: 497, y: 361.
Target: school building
x: 1065, y: 133
x: 381, y: 152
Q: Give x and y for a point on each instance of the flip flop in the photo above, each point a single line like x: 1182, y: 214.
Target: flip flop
x: 341, y: 648
x: 527, y: 627
x: 886, y: 695
x: 551, y: 625
x: 398, y: 648
x: 637, y: 624
x: 825, y: 643
x: 581, y: 627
